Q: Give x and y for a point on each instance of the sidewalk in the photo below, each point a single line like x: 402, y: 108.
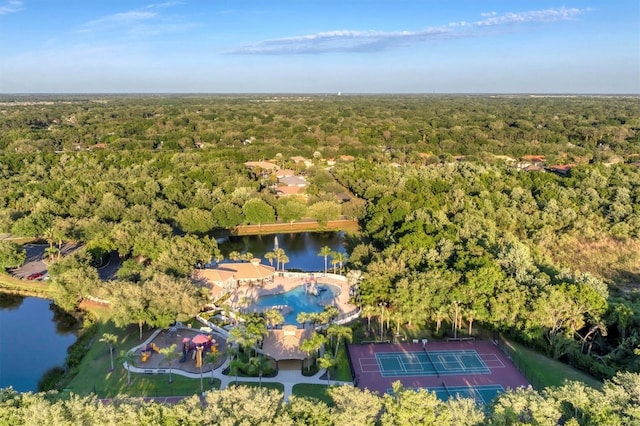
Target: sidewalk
x: 287, y: 377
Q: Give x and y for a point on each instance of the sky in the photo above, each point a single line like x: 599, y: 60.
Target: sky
x: 320, y: 46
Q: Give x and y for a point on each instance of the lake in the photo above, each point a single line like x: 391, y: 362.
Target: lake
x: 301, y: 248
x: 31, y: 341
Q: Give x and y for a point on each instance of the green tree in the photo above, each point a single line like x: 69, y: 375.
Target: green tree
x: 339, y: 332
x: 257, y: 211
x: 128, y: 357
x: 327, y: 361
x: 170, y: 355
x: 212, y: 358
x: 260, y: 363
x: 325, y: 252
x: 11, y: 255
x: 110, y: 340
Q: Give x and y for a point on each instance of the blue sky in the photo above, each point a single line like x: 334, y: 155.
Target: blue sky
x: 319, y: 46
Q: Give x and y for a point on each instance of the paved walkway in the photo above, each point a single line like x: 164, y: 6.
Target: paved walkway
x: 287, y: 377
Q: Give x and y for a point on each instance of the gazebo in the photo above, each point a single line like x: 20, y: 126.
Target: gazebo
x: 284, y: 344
x: 230, y: 275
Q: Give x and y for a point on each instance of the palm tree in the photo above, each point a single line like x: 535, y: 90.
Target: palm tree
x: 234, y: 368
x: 325, y: 252
x: 246, y: 256
x: 284, y: 260
x: 340, y: 258
x: 170, y: 355
x: 212, y: 358
x: 234, y: 255
x: 439, y: 315
x: 328, y: 361
x: 260, y: 362
x: 303, y: 318
x: 128, y: 357
x: 308, y: 347
x: 111, y: 340
x: 270, y: 256
x: 470, y: 314
x: 334, y: 261
x: 368, y: 311
x: 273, y: 317
x: 340, y: 332
x: 278, y: 253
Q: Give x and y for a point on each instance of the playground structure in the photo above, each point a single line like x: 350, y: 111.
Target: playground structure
x: 196, y: 347
x: 148, y: 350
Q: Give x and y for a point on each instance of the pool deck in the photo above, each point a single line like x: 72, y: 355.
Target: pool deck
x: 288, y: 281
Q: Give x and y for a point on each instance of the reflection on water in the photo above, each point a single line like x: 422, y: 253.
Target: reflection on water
x: 301, y: 248
x: 31, y: 342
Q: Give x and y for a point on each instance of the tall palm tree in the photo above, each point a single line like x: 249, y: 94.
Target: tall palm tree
x: 170, y: 355
x: 278, y: 253
x: 270, y: 256
x: 128, y: 357
x: 273, y: 317
x: 325, y: 252
x: 368, y: 311
x: 260, y: 362
x: 110, y: 340
x: 438, y: 316
x: 212, y: 358
x: 284, y: 260
x: 340, y: 258
x: 470, y: 314
x: 234, y: 368
x: 340, y: 332
x: 328, y: 361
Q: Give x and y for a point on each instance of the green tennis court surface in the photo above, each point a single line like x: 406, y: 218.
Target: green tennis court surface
x: 432, y: 363
x: 482, y: 394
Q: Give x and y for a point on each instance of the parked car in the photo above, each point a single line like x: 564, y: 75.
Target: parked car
x: 36, y: 276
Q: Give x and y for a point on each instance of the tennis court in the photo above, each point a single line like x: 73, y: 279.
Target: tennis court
x: 482, y: 394
x: 423, y: 363
x: 475, y: 369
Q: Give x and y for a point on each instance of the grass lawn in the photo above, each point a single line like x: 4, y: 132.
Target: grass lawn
x: 550, y: 372
x: 94, y: 374
x: 267, y: 385
x: 342, y: 371
x: 312, y: 390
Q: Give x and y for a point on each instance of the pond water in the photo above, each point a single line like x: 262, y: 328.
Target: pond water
x: 300, y: 300
x: 32, y: 341
x: 301, y: 248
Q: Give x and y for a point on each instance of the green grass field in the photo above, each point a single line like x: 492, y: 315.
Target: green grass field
x: 550, y: 372
x: 309, y: 390
x: 94, y: 375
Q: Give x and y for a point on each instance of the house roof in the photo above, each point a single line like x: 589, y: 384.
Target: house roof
x: 285, y: 343
x: 293, y: 181
x: 298, y: 159
x: 235, y: 271
x: 288, y: 190
x: 347, y: 158
x: 262, y: 164
x: 285, y: 172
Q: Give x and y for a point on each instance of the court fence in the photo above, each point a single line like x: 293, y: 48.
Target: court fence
x: 529, y: 373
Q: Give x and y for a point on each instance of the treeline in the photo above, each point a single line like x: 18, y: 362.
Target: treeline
x: 571, y: 404
x: 467, y: 243
x: 403, y: 127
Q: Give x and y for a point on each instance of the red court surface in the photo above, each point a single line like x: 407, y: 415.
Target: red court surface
x: 376, y: 366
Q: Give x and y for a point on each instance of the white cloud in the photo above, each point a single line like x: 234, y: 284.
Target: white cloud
x: 118, y: 20
x: 363, y: 41
x: 11, y: 6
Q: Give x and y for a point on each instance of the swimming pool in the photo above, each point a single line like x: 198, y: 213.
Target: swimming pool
x: 299, y: 300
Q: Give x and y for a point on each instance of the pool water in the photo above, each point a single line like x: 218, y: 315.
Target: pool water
x: 299, y: 300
